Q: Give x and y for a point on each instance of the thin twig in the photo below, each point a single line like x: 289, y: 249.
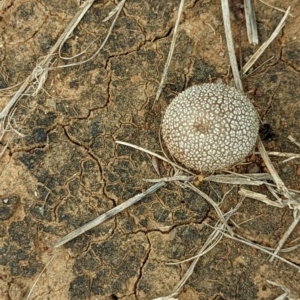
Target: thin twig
x: 168, y: 61
x: 109, y: 214
x: 230, y: 46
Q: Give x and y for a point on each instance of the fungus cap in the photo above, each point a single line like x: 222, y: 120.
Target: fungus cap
x: 210, y: 127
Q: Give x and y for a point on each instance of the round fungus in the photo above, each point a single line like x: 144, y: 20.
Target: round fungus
x: 210, y: 127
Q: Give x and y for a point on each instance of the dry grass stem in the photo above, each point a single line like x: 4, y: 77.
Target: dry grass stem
x: 251, y: 22
x: 264, y: 46
x: 256, y: 246
x: 155, y: 164
x: 292, y: 203
x: 35, y: 82
x: 280, y: 185
x: 182, y: 178
x: 254, y: 176
x: 212, y: 29
x: 275, y: 7
x: 209, y: 244
x: 3, y: 90
x: 166, y: 298
x: 213, y: 243
x: 285, y: 250
x: 109, y: 214
x: 74, y: 56
x: 236, y: 179
x: 187, y: 274
x: 116, y: 10
x: 256, y: 69
x: 273, y: 192
x: 4, y: 4
x: 39, y: 276
x: 120, y: 7
x: 293, y: 140
x: 230, y: 45
x: 213, y: 204
x: 287, y: 233
x: 281, y: 154
x: 156, y: 155
x: 40, y: 72
x: 290, y: 249
x: 286, y: 294
x: 287, y: 160
x: 172, y: 47
x: 260, y: 197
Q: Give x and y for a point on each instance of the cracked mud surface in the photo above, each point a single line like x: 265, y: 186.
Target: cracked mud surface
x: 67, y: 169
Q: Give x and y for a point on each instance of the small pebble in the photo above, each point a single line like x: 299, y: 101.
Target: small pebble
x: 253, y: 168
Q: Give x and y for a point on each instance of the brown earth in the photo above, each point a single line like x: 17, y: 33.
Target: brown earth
x: 67, y: 169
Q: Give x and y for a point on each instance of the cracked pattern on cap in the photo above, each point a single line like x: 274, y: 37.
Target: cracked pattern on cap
x: 210, y: 127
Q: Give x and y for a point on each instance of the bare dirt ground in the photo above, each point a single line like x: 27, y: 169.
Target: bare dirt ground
x: 67, y: 169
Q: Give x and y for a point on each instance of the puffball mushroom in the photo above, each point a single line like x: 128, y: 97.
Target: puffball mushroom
x: 210, y: 127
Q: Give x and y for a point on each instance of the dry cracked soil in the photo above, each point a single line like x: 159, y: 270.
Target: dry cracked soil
x: 66, y: 169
